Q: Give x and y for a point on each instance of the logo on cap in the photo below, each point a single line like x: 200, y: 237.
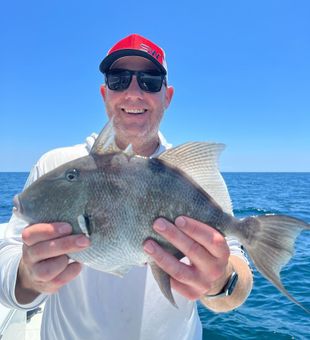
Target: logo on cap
x: 150, y: 51
x: 135, y: 45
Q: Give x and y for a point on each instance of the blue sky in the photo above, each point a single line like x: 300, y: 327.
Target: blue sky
x: 241, y: 72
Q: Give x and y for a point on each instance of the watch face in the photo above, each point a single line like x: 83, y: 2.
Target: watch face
x: 231, y: 283
x: 227, y: 289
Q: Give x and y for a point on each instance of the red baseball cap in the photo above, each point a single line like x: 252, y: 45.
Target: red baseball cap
x: 135, y: 45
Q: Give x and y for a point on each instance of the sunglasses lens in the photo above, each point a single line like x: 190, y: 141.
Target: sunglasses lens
x: 118, y: 80
x: 150, y: 82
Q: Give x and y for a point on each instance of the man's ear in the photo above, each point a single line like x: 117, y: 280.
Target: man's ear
x: 103, y: 91
x: 168, y: 96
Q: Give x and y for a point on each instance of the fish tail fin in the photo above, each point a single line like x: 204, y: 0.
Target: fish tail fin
x: 269, y: 241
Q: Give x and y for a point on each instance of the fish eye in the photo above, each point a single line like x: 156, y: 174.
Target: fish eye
x: 72, y: 175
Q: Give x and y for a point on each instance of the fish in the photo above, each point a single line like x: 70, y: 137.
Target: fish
x: 114, y: 196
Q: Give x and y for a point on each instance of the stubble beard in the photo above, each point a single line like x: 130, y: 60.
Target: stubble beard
x: 142, y: 136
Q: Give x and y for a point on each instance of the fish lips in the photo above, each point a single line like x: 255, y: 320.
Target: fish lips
x: 18, y: 209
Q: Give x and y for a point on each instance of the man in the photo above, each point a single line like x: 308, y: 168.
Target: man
x: 82, y: 302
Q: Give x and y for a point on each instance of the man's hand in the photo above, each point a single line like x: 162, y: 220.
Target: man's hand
x: 44, y: 266
x: 206, y: 249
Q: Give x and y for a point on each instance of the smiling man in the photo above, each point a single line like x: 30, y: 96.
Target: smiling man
x: 84, y: 303
x: 138, y: 106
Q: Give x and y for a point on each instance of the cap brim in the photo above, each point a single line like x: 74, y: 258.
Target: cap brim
x: 109, y: 60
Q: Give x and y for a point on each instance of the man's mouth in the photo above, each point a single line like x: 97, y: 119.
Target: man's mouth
x: 134, y: 111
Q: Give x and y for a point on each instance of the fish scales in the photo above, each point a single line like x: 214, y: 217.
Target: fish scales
x: 114, y: 198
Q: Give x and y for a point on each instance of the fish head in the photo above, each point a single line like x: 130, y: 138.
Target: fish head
x: 58, y: 196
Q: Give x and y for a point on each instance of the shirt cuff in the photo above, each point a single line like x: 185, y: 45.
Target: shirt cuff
x: 12, y: 267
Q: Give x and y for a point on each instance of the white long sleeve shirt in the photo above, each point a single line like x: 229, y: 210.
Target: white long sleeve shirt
x: 97, y: 305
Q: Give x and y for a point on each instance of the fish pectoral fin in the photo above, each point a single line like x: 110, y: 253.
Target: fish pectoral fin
x: 163, y: 280
x: 199, y: 160
x: 84, y: 224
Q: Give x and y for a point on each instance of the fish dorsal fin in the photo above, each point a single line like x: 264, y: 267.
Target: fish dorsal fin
x: 129, y: 151
x: 104, y: 143
x: 199, y: 160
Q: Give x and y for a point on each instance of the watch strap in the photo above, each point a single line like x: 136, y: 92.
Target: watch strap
x: 228, y: 288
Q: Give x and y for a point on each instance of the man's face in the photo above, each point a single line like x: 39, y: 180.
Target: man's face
x: 136, y: 113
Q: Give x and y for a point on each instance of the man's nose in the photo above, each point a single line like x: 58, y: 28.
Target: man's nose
x: 134, y: 89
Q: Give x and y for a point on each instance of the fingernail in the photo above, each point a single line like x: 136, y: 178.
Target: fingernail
x: 180, y: 222
x: 149, y: 247
x: 160, y: 225
x: 64, y: 228
x: 82, y: 241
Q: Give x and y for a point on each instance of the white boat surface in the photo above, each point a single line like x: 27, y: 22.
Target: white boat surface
x: 14, y: 323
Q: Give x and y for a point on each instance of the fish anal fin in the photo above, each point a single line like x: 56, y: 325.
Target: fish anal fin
x: 163, y: 280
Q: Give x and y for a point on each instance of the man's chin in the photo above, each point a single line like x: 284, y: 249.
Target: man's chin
x: 131, y: 128
x: 134, y: 136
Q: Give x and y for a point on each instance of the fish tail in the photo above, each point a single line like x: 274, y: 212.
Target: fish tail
x: 269, y: 241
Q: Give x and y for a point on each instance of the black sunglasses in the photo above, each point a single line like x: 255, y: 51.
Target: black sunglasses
x: 120, y: 79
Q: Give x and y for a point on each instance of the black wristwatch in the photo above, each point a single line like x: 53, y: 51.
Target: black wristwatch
x: 227, y: 289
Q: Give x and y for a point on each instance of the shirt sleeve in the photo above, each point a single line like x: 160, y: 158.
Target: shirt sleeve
x: 236, y: 249
x: 10, y: 255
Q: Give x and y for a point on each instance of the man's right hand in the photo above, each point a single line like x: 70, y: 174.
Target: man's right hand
x: 44, y: 266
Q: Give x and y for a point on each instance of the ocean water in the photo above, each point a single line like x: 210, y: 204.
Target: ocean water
x: 11, y: 183
x: 266, y: 314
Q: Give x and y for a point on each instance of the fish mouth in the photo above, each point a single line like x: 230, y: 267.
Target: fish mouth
x: 17, y: 204
x: 17, y: 207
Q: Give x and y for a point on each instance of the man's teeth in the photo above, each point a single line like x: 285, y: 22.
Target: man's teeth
x: 134, y: 110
